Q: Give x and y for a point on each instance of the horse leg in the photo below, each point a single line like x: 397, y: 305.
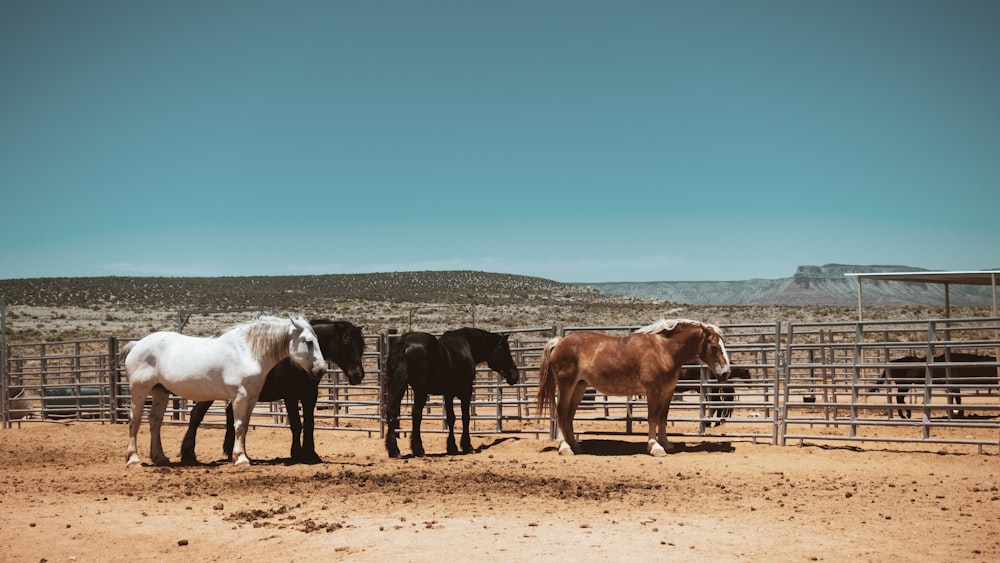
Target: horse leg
x: 242, y: 407
x: 230, y: 438
x: 159, y: 406
x: 416, y: 444
x: 131, y: 451
x: 449, y: 415
x: 901, y: 400
x: 309, y: 454
x: 955, y: 397
x: 466, y: 417
x: 569, y: 399
x: 728, y: 397
x: 392, y: 422
x: 295, y: 424
x: 187, y: 446
x: 716, y: 395
x: 657, y: 408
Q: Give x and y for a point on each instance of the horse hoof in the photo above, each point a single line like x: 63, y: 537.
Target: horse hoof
x: 655, y: 449
x: 133, y: 461
x: 243, y: 461
x: 564, y: 449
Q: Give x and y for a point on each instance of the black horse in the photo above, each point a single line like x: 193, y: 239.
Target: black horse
x: 342, y: 343
x: 440, y: 366
x: 908, y: 378
x: 690, y: 379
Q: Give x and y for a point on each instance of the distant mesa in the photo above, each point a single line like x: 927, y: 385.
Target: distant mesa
x: 810, y: 285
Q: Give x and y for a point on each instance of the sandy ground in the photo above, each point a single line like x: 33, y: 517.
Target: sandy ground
x: 65, y: 495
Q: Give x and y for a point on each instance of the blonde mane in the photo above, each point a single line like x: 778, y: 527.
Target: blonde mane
x: 667, y: 325
x: 267, y: 336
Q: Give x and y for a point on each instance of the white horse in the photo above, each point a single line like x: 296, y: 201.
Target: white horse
x: 231, y: 366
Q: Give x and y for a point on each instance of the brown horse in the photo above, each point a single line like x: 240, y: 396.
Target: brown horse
x: 648, y: 361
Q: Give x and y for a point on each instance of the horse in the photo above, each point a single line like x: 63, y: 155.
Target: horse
x: 690, y: 380
x: 647, y: 361
x: 340, y: 342
x: 906, y: 378
x: 231, y: 366
x: 20, y: 402
x: 440, y: 366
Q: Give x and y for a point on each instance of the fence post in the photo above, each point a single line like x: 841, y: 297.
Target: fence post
x: 4, y: 384
x: 385, y: 342
x: 113, y: 377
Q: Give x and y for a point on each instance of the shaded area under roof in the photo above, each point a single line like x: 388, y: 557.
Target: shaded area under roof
x: 978, y: 277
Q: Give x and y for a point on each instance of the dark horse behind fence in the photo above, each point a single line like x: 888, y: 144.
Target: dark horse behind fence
x: 342, y: 343
x: 722, y: 395
x: 649, y: 362
x: 910, y: 378
x: 440, y: 366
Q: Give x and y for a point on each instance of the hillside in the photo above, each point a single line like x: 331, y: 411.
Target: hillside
x: 48, y: 309
x: 58, y: 309
x: 810, y: 285
x: 290, y: 292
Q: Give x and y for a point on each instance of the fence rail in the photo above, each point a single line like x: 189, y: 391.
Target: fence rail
x: 807, y: 382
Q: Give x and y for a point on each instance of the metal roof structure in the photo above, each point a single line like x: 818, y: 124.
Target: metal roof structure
x: 978, y: 277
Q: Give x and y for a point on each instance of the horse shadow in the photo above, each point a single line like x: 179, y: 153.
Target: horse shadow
x: 604, y: 447
x: 273, y: 462
x: 482, y: 448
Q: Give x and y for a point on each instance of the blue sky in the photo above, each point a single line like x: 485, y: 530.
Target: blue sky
x: 577, y: 141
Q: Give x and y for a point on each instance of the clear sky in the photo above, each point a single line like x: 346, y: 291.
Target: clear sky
x: 573, y: 140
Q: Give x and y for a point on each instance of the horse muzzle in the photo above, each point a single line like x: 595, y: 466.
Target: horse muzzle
x: 355, y: 376
x: 722, y: 372
x: 512, y: 376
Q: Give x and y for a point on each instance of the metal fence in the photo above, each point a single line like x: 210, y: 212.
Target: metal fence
x: 806, y: 382
x: 835, y: 387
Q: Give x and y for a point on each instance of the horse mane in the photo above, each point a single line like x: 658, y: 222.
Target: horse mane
x: 667, y: 325
x: 267, y: 336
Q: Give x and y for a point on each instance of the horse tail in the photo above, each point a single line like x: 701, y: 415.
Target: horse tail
x: 395, y: 384
x: 124, y: 350
x: 546, y: 381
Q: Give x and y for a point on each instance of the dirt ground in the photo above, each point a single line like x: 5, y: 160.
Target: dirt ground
x: 65, y: 495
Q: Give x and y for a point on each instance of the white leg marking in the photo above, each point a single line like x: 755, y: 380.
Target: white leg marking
x: 564, y: 449
x: 655, y: 449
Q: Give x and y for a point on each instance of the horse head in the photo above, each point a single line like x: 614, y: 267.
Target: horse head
x: 501, y: 361
x: 713, y: 352
x: 349, y: 353
x: 303, y: 348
